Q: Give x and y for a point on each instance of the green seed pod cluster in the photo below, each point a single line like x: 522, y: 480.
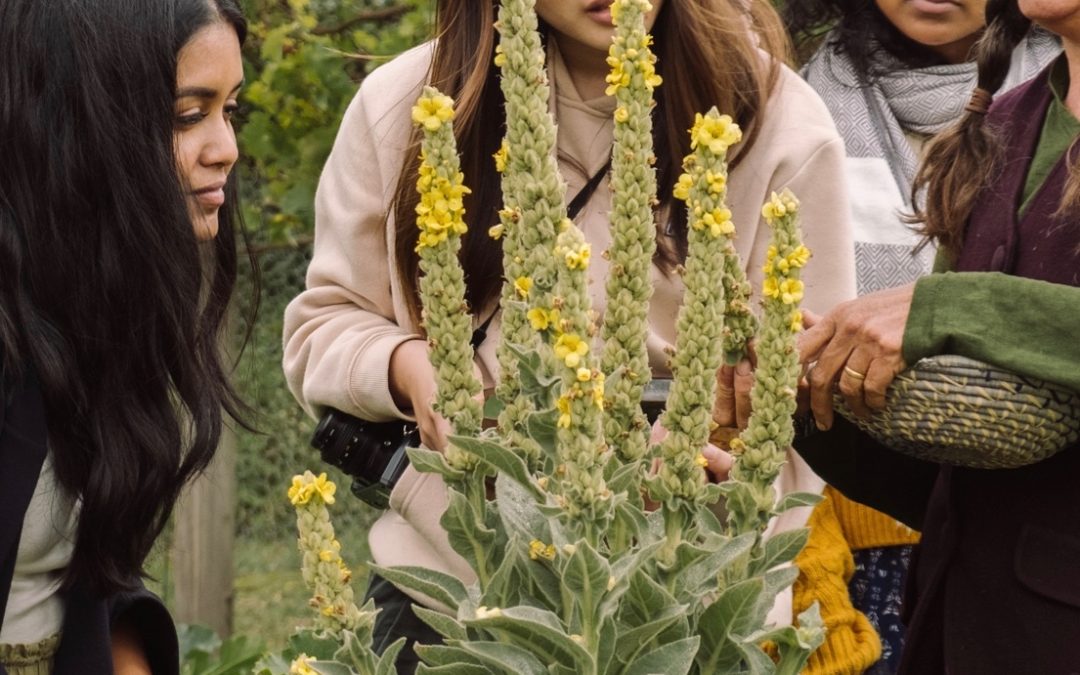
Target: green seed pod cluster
x: 440, y: 217
x: 633, y: 182
x: 762, y: 448
x: 698, y: 347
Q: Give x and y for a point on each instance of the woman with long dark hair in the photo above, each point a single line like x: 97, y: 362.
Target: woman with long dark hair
x: 118, y: 240
x: 353, y: 339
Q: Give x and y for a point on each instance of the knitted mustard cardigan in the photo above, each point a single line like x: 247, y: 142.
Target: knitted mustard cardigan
x: 839, y: 526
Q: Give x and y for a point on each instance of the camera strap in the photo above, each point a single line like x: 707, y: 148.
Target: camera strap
x: 572, y: 210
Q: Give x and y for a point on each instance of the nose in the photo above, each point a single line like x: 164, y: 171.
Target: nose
x: 219, y: 147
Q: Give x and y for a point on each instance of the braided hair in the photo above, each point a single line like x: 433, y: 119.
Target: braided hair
x: 963, y: 158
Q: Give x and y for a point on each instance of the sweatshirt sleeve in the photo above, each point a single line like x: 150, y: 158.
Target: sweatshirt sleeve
x: 1024, y: 325
x: 340, y: 332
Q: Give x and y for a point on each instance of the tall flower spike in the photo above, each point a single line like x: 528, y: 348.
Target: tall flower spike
x: 698, y: 346
x: 533, y: 196
x: 440, y: 217
x: 761, y: 449
x: 582, y: 451
x: 633, y: 230
x: 325, y: 573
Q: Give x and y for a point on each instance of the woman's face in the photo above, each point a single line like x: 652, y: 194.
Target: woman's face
x: 948, y: 27
x: 1061, y: 17
x: 208, y: 78
x: 585, y: 25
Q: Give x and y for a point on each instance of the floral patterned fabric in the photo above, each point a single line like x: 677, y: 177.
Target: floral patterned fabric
x: 877, y: 589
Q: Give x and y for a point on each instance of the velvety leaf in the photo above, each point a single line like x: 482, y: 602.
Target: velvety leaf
x: 517, y: 510
x: 631, y: 642
x: 447, y: 656
x: 455, y: 669
x: 605, y: 652
x: 782, y: 548
x: 796, y: 499
x: 446, y: 626
x: 672, y: 659
x: 504, y: 460
x: 539, y: 631
x: 429, y: 461
x: 330, y: 668
x: 542, y: 428
x: 731, y: 615
x: 586, y: 576
x: 386, y: 665
x: 472, y: 540
x: 438, y: 586
x: 512, y: 658
x: 499, y: 588
x: 778, y: 579
x: 700, y: 576
x: 758, y: 662
x: 315, y: 645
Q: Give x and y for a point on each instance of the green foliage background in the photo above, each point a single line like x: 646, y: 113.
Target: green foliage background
x: 303, y: 62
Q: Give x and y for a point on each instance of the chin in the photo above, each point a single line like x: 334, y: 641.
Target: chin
x: 206, y: 226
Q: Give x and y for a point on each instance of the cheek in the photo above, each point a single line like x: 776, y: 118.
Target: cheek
x: 186, y: 155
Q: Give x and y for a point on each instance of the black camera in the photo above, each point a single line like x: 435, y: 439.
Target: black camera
x: 373, y: 453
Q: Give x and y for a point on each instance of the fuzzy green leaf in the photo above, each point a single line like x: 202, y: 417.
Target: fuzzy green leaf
x: 518, y: 512
x: 472, y: 539
x: 429, y: 461
x: 586, y: 576
x: 448, y: 656
x: 732, y: 615
x: 511, y: 658
x: 438, y: 586
x: 674, y: 658
x: 330, y: 668
x: 504, y: 460
x: 542, y: 428
x: 453, y: 669
x: 757, y: 660
x: 444, y: 625
x: 780, y: 578
x: 796, y: 499
x: 632, y: 642
x: 386, y: 665
x: 539, y: 631
x: 781, y: 548
x: 502, y: 587
x: 700, y: 576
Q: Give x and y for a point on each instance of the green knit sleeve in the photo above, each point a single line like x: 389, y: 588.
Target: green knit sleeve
x: 1027, y: 326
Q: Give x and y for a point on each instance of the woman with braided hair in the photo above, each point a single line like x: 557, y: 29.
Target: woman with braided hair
x: 993, y: 585
x: 892, y: 73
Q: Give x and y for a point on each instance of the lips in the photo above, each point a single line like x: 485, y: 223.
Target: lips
x: 600, y: 11
x: 211, y: 196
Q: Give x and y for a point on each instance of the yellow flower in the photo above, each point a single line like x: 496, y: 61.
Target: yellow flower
x: 299, y: 491
x: 562, y: 404
x: 326, y: 555
x: 717, y: 182
x: 682, y: 188
x: 701, y: 461
x: 431, y: 112
x: 538, y: 549
x: 501, y: 156
x: 771, y: 287
x: 496, y: 231
x: 305, y: 487
x: 523, y: 285
x: 799, y: 257
x: 791, y: 291
x: 715, y: 133
x: 622, y: 115
x: 796, y: 321
x: 570, y: 348
x: 598, y: 390
x: 579, y: 259
x: 301, y: 666
x: 543, y: 319
x: 584, y: 374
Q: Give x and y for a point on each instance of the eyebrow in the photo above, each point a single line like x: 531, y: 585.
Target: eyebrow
x: 204, y: 92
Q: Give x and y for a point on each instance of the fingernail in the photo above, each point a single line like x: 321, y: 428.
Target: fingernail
x: 743, y: 368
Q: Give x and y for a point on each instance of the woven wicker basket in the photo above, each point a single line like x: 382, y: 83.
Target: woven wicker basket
x: 955, y: 410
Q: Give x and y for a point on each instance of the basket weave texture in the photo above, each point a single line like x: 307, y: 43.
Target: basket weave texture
x: 955, y: 410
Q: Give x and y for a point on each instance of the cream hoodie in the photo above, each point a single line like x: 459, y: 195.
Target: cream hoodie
x: 340, y: 332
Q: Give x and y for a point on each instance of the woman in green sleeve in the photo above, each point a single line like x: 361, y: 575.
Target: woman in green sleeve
x: 994, y: 586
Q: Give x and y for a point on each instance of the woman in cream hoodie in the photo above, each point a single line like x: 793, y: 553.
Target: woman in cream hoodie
x: 353, y: 339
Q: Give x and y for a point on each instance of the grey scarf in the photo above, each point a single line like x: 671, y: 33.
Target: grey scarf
x: 873, y: 118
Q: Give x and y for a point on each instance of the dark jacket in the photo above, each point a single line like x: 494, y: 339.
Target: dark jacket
x: 995, y: 582
x: 85, y: 648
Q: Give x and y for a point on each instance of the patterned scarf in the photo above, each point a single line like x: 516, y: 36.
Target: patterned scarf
x: 875, y: 120
x: 922, y: 100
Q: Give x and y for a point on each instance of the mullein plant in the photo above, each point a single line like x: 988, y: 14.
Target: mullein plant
x: 574, y: 573
x: 341, y: 638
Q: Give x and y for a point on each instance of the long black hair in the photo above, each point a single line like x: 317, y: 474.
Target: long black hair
x: 859, y: 29
x: 105, y: 293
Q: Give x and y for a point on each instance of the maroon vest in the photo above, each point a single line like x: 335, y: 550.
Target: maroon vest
x: 1038, y: 245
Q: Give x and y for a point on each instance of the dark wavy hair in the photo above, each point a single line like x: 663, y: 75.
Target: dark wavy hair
x: 859, y: 30
x: 106, y: 295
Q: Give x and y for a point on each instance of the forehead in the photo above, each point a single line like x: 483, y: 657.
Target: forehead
x: 211, y: 57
